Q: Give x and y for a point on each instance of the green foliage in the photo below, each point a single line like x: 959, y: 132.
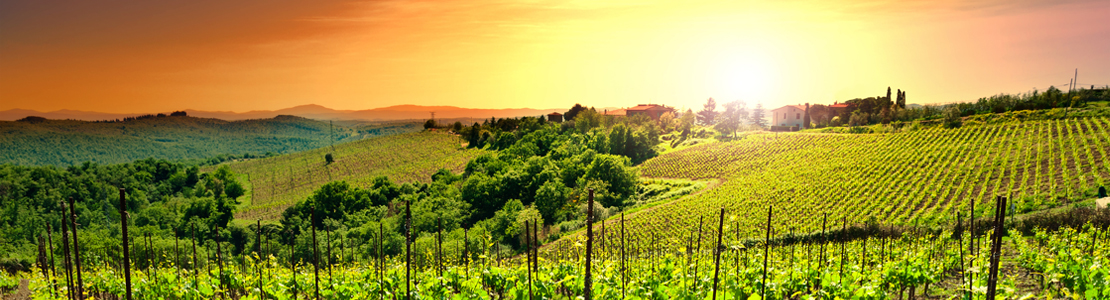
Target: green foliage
x: 162, y: 198
x: 708, y: 114
x: 279, y: 182
x: 759, y: 118
x: 573, y: 112
x: 952, y: 117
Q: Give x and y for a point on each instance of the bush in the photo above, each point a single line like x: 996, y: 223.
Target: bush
x: 952, y: 117
x: 330, y: 159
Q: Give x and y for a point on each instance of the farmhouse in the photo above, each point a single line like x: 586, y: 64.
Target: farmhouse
x: 554, y: 117
x: 789, y: 116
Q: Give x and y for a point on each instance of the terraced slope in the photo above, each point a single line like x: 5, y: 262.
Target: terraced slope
x: 922, y: 176
x: 277, y: 182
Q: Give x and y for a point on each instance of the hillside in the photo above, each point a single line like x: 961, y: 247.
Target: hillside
x: 275, y: 183
x: 69, y: 142
x: 922, y: 176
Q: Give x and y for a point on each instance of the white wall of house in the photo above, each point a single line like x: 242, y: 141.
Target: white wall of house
x: 787, y: 116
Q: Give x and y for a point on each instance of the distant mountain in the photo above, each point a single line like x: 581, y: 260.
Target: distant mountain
x: 311, y: 111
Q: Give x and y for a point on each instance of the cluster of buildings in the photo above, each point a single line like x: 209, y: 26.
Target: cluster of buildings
x: 785, y: 116
x: 653, y: 111
x: 794, y: 115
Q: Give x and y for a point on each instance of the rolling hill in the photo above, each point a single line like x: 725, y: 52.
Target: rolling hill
x: 275, y: 183
x: 906, y: 178
x: 311, y: 111
x: 37, y: 142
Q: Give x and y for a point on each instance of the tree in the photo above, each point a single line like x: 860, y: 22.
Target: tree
x: 952, y: 117
x: 457, y: 127
x: 757, y: 116
x: 708, y: 113
x: 551, y: 197
x: 686, y: 122
x: 805, y: 119
x: 666, y: 121
x: 617, y: 139
x: 730, y: 120
x: 858, y: 118
x: 474, y: 134
x: 616, y: 172
x: 573, y: 112
x: 233, y: 189
x: 430, y: 124
x: 329, y: 158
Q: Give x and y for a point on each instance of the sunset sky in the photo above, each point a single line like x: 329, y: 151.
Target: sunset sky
x: 156, y: 56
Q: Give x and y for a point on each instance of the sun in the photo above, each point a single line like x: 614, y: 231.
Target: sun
x: 750, y: 78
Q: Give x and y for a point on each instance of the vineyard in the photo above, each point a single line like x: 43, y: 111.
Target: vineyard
x: 901, y: 263
x: 790, y: 216
x: 918, y: 177
x: 277, y: 182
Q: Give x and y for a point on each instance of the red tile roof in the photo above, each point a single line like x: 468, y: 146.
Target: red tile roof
x: 554, y: 114
x: 649, y: 107
x: 801, y: 107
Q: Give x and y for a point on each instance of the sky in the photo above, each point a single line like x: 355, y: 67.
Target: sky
x: 158, y: 56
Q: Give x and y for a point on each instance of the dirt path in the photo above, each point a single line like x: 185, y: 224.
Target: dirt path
x: 20, y: 293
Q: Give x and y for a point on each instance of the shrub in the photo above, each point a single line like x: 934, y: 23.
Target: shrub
x: 952, y: 117
x: 329, y: 158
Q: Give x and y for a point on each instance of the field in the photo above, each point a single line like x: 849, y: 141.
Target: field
x: 1068, y: 264
x: 275, y: 183
x: 855, y: 216
x: 918, y: 177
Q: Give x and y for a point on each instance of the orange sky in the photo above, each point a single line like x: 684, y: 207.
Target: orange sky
x: 155, y: 56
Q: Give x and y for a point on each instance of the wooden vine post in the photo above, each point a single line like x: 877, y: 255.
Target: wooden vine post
x: 843, y: 246
x: 439, y: 247
x: 67, y: 259
x: 996, y: 245
x: 588, y: 285
x: 528, y: 254
x: 195, y: 270
x: 177, y: 255
x: 258, y: 223
x: 76, y: 248
x: 293, y: 261
x: 53, y: 270
x: 330, y: 261
x: 536, y: 245
x: 126, y: 255
x: 219, y: 258
x: 824, y: 239
x: 717, y: 252
x: 408, y: 250
x: 624, y: 265
x: 766, y: 253
x: 315, y: 254
x: 381, y: 258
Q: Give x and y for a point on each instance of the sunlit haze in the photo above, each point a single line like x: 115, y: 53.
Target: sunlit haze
x: 157, y: 56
